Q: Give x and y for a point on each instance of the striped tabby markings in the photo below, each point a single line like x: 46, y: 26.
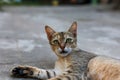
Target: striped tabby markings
x: 48, y: 74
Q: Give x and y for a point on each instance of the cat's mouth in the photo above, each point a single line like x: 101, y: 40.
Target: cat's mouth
x: 63, y: 52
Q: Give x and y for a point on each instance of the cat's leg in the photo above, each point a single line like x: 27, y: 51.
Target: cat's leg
x: 71, y: 76
x: 32, y: 72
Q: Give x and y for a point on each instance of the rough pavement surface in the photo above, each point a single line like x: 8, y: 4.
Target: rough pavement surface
x: 23, y: 40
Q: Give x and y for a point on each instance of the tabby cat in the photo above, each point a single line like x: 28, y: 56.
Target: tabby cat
x: 73, y: 63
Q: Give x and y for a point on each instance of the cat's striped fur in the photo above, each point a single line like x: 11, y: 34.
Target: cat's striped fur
x: 72, y: 63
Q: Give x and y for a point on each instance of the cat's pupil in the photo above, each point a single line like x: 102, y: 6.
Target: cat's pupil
x: 69, y: 40
x: 55, y: 41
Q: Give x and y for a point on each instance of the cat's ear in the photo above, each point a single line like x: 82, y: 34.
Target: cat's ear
x: 73, y: 29
x: 49, y: 32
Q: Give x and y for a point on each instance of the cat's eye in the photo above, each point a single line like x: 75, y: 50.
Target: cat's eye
x: 69, y: 40
x: 55, y: 41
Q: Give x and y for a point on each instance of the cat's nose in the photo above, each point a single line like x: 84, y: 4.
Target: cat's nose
x: 62, y: 46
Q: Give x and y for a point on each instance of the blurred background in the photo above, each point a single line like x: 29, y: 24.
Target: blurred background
x: 22, y: 36
x: 115, y: 3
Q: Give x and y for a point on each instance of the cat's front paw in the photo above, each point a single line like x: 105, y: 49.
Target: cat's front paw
x: 22, y: 71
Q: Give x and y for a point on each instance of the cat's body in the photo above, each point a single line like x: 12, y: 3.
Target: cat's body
x: 75, y: 64
x: 104, y: 68
x: 72, y: 63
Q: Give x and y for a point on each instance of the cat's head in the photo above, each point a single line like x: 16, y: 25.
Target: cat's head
x: 62, y: 43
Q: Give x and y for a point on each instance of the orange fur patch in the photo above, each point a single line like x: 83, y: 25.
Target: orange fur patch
x: 104, y: 68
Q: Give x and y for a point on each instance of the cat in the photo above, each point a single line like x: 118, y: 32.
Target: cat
x: 73, y: 63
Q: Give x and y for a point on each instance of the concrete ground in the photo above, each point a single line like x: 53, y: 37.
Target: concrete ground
x: 23, y: 40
